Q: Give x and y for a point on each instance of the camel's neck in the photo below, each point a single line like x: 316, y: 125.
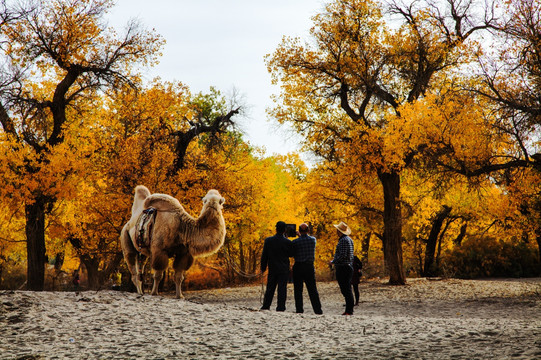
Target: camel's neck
x: 209, y: 233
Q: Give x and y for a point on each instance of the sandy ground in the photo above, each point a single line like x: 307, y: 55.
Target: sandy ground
x: 426, y: 319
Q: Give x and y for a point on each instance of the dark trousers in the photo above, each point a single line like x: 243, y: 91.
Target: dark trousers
x: 343, y: 276
x: 273, y: 280
x: 304, y: 273
x: 355, y: 286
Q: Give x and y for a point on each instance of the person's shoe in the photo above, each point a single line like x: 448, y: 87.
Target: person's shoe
x: 356, y: 304
x: 319, y: 312
x: 299, y: 312
x: 346, y: 313
x: 264, y: 308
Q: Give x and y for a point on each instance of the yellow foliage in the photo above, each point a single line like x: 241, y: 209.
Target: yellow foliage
x: 352, y: 92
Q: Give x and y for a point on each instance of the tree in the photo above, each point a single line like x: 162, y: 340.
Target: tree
x: 524, y: 192
x: 211, y: 117
x: 57, y: 56
x: 346, y: 91
x: 135, y: 137
x: 259, y: 192
x: 509, y: 81
x: 512, y: 75
x: 11, y: 240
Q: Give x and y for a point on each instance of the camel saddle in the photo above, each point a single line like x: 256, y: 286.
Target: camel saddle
x: 144, y: 226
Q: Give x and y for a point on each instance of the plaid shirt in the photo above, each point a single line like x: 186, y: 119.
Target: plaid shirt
x: 344, y: 251
x: 304, y: 248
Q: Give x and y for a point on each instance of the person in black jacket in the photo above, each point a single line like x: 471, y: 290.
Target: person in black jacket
x: 276, y: 252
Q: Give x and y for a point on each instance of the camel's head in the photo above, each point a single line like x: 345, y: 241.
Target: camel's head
x: 213, y: 199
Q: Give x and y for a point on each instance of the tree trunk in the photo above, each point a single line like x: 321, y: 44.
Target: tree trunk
x: 417, y: 250
x: 429, y: 268
x: 392, y: 224
x: 380, y: 237
x: 97, y: 277
x: 35, y: 244
x: 538, y: 239
x: 253, y: 259
x: 242, y: 262
x: 365, y: 247
x: 461, y: 235
x: 438, y: 254
x: 92, y: 272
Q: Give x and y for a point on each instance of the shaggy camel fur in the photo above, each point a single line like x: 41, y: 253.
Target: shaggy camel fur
x: 175, y: 234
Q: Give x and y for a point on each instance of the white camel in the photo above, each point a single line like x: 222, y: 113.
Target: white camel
x: 172, y: 233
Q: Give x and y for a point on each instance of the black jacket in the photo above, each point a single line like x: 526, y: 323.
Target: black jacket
x: 276, y: 253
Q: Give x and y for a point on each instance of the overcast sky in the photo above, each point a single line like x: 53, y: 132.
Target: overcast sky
x: 222, y: 43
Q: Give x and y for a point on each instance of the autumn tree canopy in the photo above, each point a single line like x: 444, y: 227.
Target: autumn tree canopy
x: 57, y: 57
x: 426, y: 141
x: 375, y: 97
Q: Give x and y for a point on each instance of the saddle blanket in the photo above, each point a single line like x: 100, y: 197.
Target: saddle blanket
x: 144, y: 226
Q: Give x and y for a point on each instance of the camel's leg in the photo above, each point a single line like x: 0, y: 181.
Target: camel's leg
x: 131, y: 258
x: 157, y: 276
x: 139, y: 271
x: 181, y: 264
x: 179, y: 277
x: 159, y: 262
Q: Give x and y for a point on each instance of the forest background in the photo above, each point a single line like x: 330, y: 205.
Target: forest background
x: 422, y: 119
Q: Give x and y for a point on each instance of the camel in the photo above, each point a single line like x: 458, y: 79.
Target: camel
x: 174, y: 233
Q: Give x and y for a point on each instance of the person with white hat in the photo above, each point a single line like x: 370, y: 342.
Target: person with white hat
x: 343, y: 264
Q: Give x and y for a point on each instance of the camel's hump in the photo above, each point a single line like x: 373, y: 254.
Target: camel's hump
x: 162, y: 202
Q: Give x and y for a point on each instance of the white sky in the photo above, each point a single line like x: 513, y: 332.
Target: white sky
x: 222, y: 43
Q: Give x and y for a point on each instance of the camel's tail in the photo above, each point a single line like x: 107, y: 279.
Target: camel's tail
x: 141, y: 193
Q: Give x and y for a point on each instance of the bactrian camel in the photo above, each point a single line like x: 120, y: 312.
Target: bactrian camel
x: 174, y: 233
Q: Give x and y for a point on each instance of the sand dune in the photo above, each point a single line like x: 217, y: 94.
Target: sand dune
x: 446, y: 319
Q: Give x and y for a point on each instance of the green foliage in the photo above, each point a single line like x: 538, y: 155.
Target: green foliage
x: 481, y: 257
x: 209, y: 106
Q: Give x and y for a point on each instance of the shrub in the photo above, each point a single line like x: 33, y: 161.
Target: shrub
x: 13, y: 275
x: 198, y: 278
x: 488, y: 257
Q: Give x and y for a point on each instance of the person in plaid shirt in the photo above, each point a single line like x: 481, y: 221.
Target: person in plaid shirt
x: 304, y: 248
x: 343, y: 263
